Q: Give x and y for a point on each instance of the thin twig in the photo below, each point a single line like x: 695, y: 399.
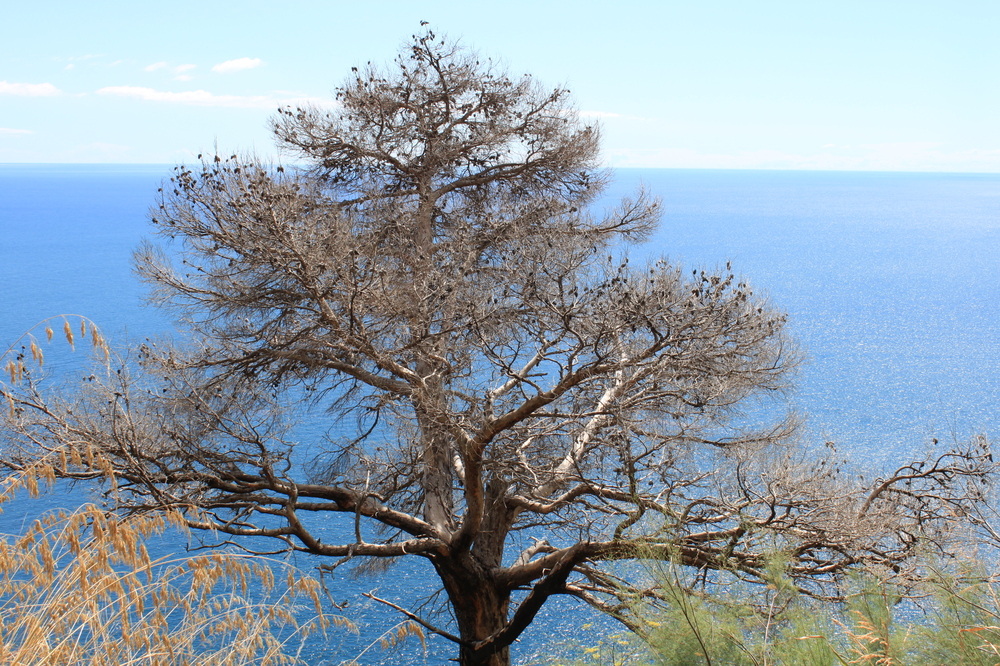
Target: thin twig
x: 419, y: 620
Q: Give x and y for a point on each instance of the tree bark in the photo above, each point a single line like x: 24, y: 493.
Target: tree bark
x: 480, y: 607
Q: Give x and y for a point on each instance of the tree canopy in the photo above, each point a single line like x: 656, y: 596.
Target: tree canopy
x: 503, y: 392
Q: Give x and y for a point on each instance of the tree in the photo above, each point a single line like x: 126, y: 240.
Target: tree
x: 515, y: 402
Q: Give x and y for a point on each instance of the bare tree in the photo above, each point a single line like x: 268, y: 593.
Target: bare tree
x: 514, y: 401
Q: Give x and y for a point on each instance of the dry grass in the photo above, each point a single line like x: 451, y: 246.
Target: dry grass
x: 81, y: 588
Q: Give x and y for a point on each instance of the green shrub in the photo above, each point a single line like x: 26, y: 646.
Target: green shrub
x: 953, y: 618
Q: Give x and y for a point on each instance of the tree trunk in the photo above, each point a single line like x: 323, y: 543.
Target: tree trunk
x: 480, y: 607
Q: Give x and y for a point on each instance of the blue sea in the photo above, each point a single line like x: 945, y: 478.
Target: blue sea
x: 891, y: 282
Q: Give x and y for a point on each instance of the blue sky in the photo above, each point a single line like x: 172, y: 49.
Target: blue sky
x: 861, y: 85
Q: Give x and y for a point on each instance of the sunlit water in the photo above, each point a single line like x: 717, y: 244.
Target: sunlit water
x: 891, y: 283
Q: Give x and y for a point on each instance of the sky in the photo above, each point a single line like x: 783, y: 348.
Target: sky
x: 908, y: 85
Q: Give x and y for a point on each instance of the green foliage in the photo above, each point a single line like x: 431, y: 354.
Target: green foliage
x: 870, y: 626
x: 698, y: 628
x: 954, y: 619
x: 965, y: 626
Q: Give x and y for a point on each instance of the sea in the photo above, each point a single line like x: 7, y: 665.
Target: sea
x: 891, y: 284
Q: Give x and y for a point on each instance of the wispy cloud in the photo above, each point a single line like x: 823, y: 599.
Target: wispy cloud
x: 599, y: 114
x: 912, y: 156
x: 190, y: 97
x: 28, y: 89
x: 7, y: 131
x: 592, y: 115
x: 237, y: 65
x: 88, y: 60
x: 205, y: 98
x: 179, y: 71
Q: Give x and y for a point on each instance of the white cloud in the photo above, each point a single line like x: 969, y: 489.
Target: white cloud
x: 592, y: 115
x: 912, y: 156
x: 205, y: 98
x: 179, y: 71
x: 237, y: 65
x: 191, y: 97
x: 28, y: 89
x: 599, y: 114
x: 295, y: 98
x: 6, y: 131
x: 72, y: 60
